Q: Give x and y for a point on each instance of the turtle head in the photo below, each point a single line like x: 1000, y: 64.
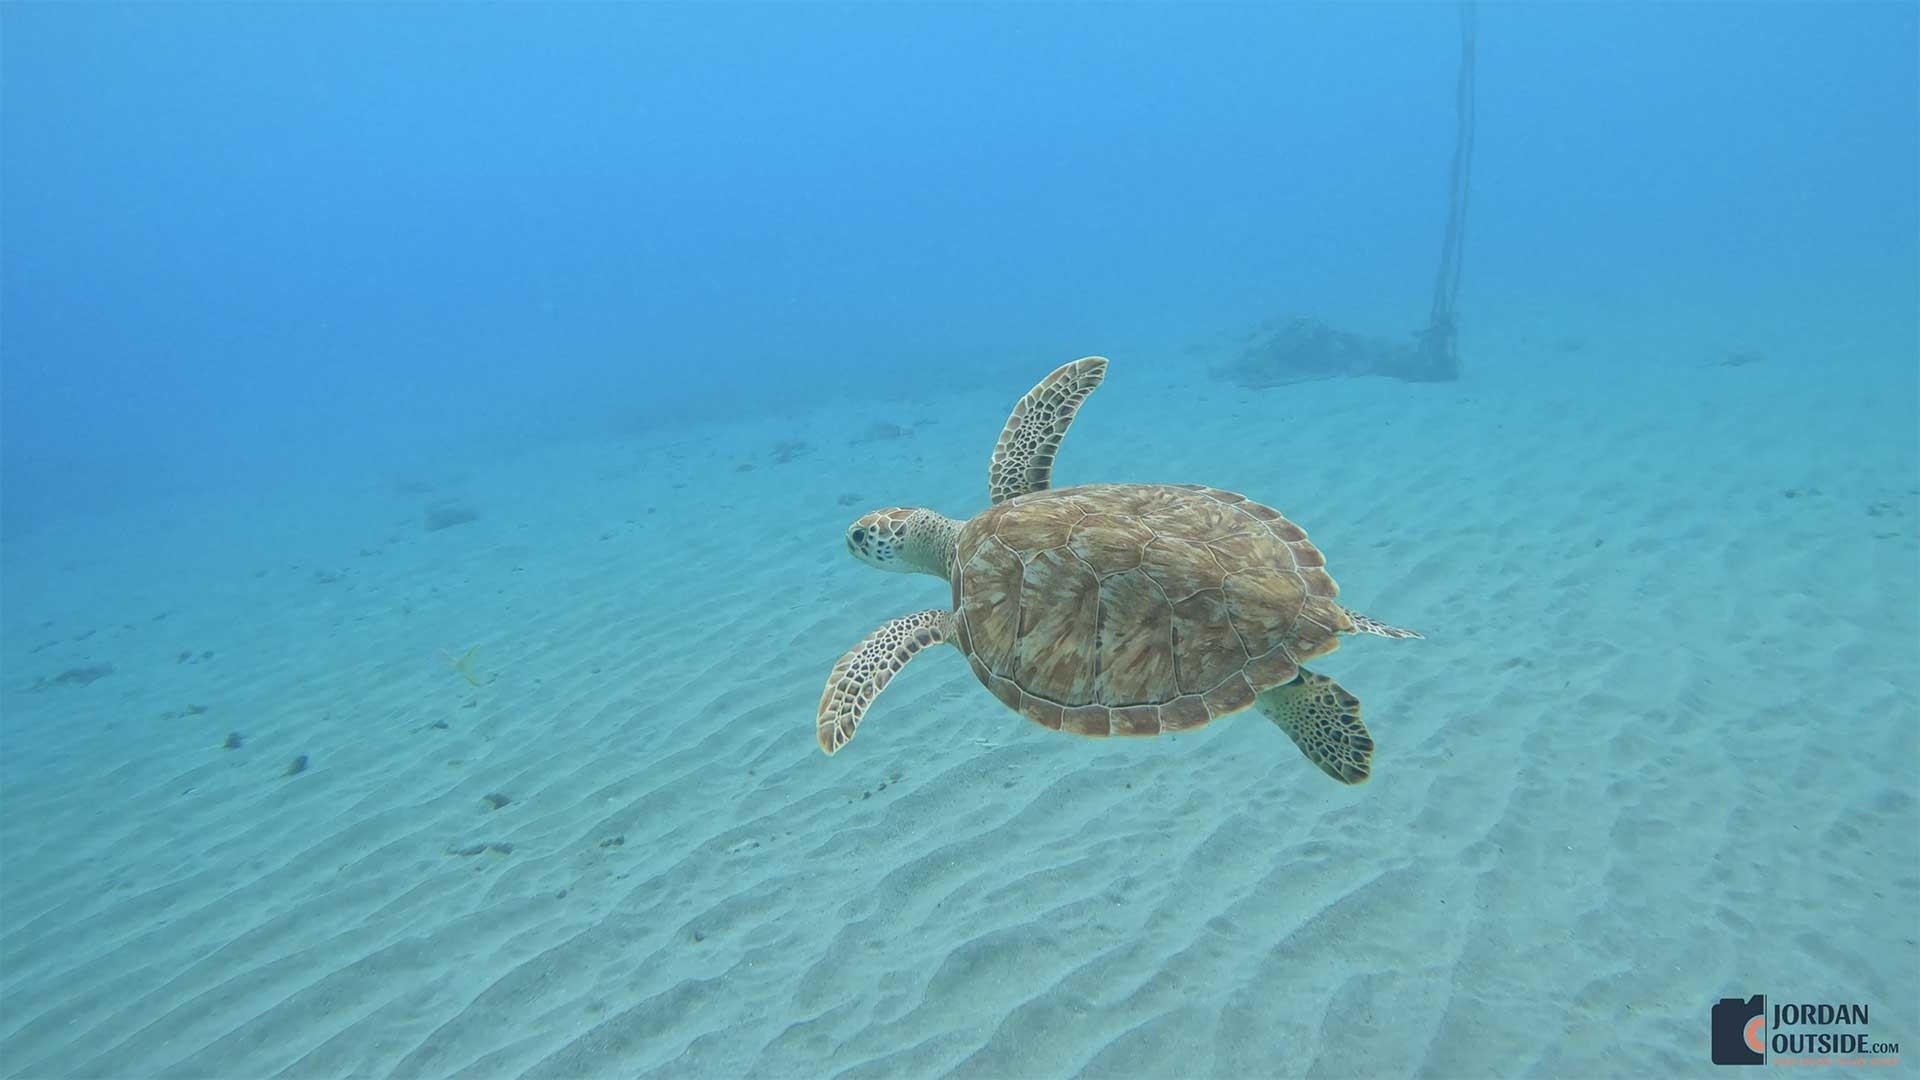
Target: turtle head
x: 905, y: 540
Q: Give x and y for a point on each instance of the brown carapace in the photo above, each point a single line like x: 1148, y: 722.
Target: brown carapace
x: 1114, y: 609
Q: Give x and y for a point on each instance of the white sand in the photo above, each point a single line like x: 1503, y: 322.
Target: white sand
x: 1658, y: 748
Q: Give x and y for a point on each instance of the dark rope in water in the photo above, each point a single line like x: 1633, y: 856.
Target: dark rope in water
x: 1438, y: 340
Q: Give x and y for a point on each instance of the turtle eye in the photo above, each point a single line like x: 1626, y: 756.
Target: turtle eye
x: 859, y: 536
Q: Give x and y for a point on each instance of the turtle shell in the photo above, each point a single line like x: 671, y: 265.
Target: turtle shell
x: 1135, y: 609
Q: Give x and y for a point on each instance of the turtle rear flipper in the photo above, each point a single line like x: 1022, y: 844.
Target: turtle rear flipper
x: 1323, y: 720
x: 866, y: 669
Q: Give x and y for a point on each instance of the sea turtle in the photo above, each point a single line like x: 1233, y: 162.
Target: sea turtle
x: 1113, y: 609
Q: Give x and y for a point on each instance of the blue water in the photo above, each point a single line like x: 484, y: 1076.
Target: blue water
x: 236, y: 232
x: 259, y: 260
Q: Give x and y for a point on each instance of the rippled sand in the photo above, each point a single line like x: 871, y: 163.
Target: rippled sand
x: 1658, y: 748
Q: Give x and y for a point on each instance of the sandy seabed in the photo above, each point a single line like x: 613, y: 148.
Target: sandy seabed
x: 1658, y: 748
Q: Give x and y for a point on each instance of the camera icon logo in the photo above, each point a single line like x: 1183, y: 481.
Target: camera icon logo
x: 1740, y: 1031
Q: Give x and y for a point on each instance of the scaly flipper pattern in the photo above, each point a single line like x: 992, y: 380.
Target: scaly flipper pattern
x: 1364, y: 625
x: 1023, y: 459
x: 1323, y: 720
x: 867, y: 668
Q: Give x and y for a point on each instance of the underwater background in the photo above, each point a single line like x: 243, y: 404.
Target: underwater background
x: 428, y: 434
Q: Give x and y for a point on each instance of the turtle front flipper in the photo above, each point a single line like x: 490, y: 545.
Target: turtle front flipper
x: 1023, y: 459
x: 1323, y: 720
x: 867, y: 667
